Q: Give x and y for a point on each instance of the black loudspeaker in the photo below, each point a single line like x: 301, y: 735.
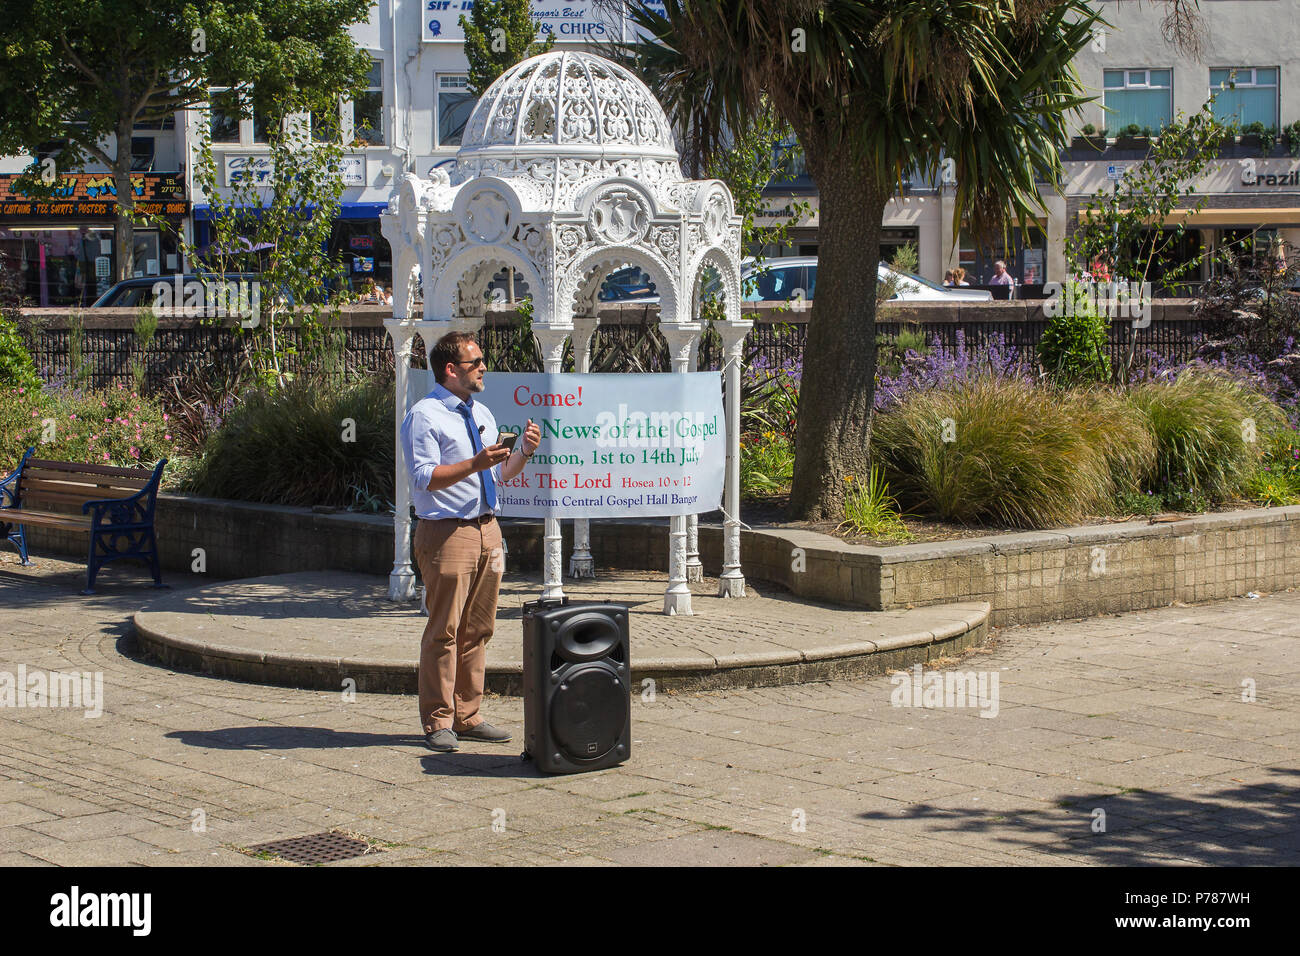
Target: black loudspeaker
x: 577, y: 685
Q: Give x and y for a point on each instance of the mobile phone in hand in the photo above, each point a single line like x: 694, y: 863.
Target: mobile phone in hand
x: 508, y: 439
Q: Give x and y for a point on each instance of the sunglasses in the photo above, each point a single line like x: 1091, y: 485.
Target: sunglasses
x: 472, y: 363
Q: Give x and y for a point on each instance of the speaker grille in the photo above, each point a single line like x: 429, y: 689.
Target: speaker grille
x: 588, y: 712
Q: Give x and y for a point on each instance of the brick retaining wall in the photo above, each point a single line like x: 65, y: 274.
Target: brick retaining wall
x: 1029, y: 577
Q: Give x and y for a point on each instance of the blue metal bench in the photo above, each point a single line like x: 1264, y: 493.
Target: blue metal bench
x: 116, y: 508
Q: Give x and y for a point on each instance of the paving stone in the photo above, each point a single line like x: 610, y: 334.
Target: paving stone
x: 1186, y: 772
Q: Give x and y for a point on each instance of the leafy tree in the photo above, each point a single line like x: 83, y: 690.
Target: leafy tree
x: 874, y: 90
x: 1121, y: 226
x: 86, y: 72
x: 753, y: 161
x: 498, y: 34
x: 275, y: 223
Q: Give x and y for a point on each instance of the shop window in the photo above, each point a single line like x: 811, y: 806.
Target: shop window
x: 1142, y: 98
x: 224, y: 112
x: 455, y: 104
x: 1245, y: 95
x: 368, y: 108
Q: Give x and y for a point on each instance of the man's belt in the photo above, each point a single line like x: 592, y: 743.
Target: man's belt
x: 481, y: 519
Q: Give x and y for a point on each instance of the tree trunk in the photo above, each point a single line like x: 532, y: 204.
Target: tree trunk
x: 124, y: 225
x: 839, y: 359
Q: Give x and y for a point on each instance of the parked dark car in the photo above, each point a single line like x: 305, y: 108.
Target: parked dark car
x: 137, y: 293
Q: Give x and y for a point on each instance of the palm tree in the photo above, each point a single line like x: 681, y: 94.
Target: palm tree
x: 874, y: 89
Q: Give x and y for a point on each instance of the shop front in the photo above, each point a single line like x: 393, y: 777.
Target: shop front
x: 1246, y: 207
x: 355, y: 240
x: 62, y: 247
x: 911, y: 220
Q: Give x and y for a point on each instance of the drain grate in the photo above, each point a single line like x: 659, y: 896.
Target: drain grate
x: 315, y: 848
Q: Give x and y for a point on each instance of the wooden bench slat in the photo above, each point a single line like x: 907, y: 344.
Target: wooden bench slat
x: 86, y: 468
x: 51, y: 518
x: 68, y: 492
x: 50, y: 474
x: 54, y: 502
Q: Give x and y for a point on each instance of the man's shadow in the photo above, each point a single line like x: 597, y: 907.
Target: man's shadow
x: 504, y: 762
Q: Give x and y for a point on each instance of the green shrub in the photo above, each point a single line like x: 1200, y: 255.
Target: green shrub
x: 1276, y: 481
x: 1145, y: 503
x: 17, y: 370
x: 870, y: 509
x: 1017, y: 455
x: 1072, y: 349
x: 109, y: 426
x: 766, y: 464
x: 1202, y: 424
x: 310, y: 443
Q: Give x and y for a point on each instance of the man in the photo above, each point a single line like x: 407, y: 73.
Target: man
x: 1000, y: 274
x: 454, y: 478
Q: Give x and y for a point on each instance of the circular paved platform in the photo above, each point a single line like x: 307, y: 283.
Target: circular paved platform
x: 318, y: 629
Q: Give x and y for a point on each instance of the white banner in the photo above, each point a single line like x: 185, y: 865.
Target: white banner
x: 574, y: 21
x: 613, y: 445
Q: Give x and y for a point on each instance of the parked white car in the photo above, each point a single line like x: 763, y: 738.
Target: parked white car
x: 793, y: 277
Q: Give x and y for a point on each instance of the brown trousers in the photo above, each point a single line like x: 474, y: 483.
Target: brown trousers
x: 461, y: 566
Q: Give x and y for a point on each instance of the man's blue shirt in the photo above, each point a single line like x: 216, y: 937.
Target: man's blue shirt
x: 435, y: 433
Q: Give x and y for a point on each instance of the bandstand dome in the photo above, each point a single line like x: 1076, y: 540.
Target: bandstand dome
x: 569, y: 103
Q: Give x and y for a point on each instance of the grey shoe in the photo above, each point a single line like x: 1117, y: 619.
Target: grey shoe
x: 443, y: 741
x: 486, y: 732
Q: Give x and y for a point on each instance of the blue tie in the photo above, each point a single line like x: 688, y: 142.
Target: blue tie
x: 489, y: 483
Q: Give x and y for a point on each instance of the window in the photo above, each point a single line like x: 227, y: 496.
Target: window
x: 260, y: 125
x: 142, y: 153
x: 1142, y: 98
x: 325, y: 126
x: 1245, y: 94
x: 368, y: 108
x: 169, y: 122
x: 455, y: 104
x: 224, y: 110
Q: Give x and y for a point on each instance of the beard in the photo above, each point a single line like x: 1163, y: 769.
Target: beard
x: 475, y: 385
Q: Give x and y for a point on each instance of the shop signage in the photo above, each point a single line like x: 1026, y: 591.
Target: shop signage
x: 353, y: 169
x: 94, y: 194
x: 244, y: 167
x: 780, y: 209
x: 571, y: 20
x: 1253, y: 175
x: 1248, y: 175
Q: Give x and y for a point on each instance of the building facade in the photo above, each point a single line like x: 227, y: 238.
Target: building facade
x: 1249, y: 59
x: 410, y: 118
x: 62, y: 247
x: 1250, y: 55
x: 417, y: 101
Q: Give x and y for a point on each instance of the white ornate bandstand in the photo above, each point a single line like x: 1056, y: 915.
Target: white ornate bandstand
x: 567, y: 171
